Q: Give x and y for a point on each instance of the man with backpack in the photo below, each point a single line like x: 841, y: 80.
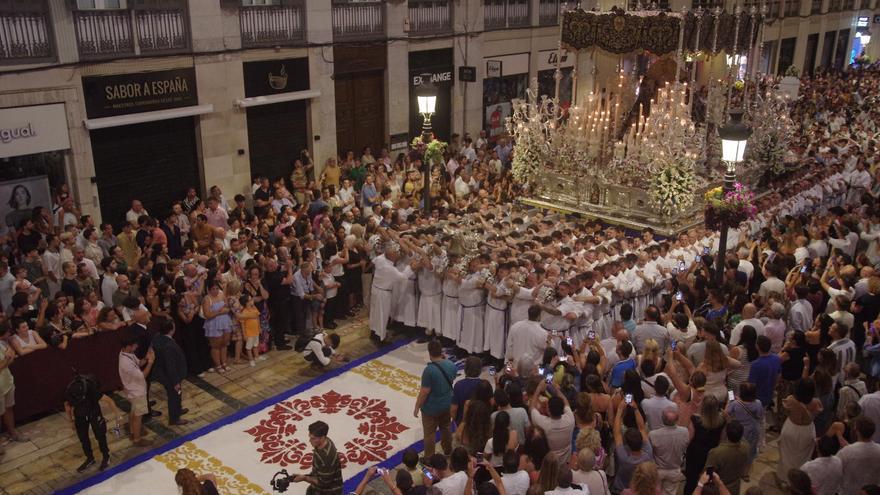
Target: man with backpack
x: 321, y: 350
x: 81, y: 403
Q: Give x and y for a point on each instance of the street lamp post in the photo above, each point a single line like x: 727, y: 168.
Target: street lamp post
x: 427, y: 105
x: 734, y: 136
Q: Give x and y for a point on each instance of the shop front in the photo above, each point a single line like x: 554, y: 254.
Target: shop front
x: 506, y: 77
x: 548, y: 60
x: 143, y: 130
x: 34, y: 149
x: 431, y: 71
x: 276, y: 101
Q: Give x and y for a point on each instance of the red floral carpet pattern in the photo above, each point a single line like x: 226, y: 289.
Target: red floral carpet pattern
x: 284, y: 435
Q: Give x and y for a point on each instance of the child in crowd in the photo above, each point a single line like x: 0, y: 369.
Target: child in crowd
x: 250, y: 326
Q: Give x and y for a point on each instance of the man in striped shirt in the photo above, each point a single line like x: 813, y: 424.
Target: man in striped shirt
x: 326, y: 475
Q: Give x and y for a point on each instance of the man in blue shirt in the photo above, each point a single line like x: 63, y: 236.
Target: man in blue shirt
x: 435, y: 399
x: 463, y: 390
x: 626, y: 363
x: 369, y: 194
x: 765, y: 371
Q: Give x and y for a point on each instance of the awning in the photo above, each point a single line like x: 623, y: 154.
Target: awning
x: 256, y: 101
x: 139, y: 118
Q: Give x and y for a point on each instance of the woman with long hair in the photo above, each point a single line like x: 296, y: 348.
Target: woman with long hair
x: 476, y: 427
x: 645, y: 480
x: 185, y: 309
x: 191, y: 484
x: 706, y: 429
x: 503, y: 439
x: 218, y: 326
x: 548, y: 478
x: 797, y: 439
x: 716, y: 365
x: 745, y: 353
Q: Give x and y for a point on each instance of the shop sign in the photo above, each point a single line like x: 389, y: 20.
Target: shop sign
x: 862, y: 21
x: 437, y: 77
x: 35, y: 129
x: 467, y: 73
x: 548, y: 59
x: 269, y: 77
x: 493, y: 68
x: 121, y: 94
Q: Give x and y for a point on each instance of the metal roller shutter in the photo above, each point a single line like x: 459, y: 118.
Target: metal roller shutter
x: 277, y: 134
x: 154, y: 162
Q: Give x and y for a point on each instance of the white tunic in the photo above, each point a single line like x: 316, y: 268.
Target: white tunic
x: 385, y: 276
x: 519, y: 310
x: 430, y: 301
x: 406, y: 301
x: 451, y: 321
x: 472, y: 307
x: 497, y: 322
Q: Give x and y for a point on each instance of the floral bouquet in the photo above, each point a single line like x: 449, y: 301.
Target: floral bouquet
x: 672, y: 190
x: 441, y: 262
x: 731, y: 208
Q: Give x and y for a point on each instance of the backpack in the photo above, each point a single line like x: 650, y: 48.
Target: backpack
x: 81, y: 391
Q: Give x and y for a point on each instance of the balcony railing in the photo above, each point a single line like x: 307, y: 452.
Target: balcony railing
x: 103, y: 33
x: 272, y: 25
x: 358, y: 19
x: 792, y: 8
x: 548, y: 13
x: 160, y: 31
x: 430, y: 16
x: 25, y: 37
x: 500, y: 14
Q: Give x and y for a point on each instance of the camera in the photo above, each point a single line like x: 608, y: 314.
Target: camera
x: 281, y: 481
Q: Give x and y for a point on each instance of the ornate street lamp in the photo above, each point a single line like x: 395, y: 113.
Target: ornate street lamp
x: 427, y: 104
x: 734, y: 136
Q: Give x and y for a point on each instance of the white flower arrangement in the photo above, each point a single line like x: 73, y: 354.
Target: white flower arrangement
x: 546, y: 294
x: 672, y: 189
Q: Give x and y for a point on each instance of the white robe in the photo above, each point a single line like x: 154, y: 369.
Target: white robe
x: 472, y: 307
x: 519, y: 310
x: 451, y: 321
x: 496, y: 323
x: 406, y: 305
x: 385, y: 276
x: 430, y: 302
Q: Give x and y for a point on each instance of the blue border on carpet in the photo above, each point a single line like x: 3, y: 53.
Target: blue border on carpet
x: 134, y: 461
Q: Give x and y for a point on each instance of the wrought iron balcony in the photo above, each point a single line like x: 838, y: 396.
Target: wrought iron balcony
x: 103, y: 33
x: 162, y: 30
x: 430, y: 16
x: 362, y: 19
x: 272, y: 25
x: 25, y: 37
x: 499, y: 14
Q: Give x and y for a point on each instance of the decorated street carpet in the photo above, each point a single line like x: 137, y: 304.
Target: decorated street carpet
x: 368, y: 404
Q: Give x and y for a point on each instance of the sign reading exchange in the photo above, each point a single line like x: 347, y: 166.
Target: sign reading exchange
x: 121, y: 94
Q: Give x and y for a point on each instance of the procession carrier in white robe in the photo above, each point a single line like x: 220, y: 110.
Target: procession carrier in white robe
x: 430, y: 302
x: 451, y: 321
x: 385, y: 276
x: 472, y: 308
x: 497, y: 322
x: 406, y: 297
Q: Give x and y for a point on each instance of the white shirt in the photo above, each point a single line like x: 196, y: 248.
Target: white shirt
x: 569, y: 490
x: 526, y: 340
x: 316, y: 347
x: 871, y: 408
x: 859, y: 462
x: 453, y: 485
x: 515, y: 483
x: 826, y: 474
x: 7, y: 289
x: 132, y: 216
x: 755, y: 323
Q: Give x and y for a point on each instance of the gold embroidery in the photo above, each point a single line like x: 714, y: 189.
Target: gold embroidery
x: 192, y: 457
x: 393, y: 377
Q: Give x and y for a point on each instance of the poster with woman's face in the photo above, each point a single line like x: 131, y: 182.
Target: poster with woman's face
x: 19, y: 197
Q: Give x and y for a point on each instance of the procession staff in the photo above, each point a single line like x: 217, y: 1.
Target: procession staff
x: 385, y: 275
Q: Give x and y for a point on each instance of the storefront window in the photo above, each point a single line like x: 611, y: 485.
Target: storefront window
x: 547, y: 85
x: 498, y: 93
x: 50, y: 164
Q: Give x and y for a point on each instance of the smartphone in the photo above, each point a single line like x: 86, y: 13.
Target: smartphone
x: 509, y: 368
x: 541, y: 371
x: 569, y: 341
x: 679, y: 296
x: 730, y: 396
x: 804, y: 269
x: 549, y: 378
x: 563, y: 359
x: 628, y: 398
x: 674, y: 344
x: 705, y: 251
x: 675, y: 271
x: 381, y: 471
x: 591, y: 335
x: 427, y: 473
x: 491, y: 371
x: 479, y: 456
x: 697, y: 259
x: 710, y: 472
x: 681, y: 266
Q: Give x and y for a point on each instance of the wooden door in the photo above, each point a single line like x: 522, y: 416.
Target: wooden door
x: 360, y: 111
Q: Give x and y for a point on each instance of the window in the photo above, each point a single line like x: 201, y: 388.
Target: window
x: 100, y: 4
